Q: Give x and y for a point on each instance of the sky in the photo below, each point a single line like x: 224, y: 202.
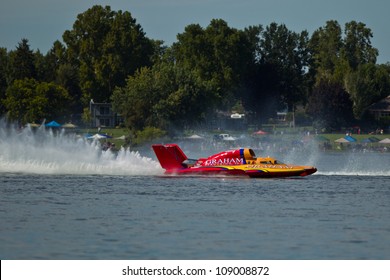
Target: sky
x: 44, y: 21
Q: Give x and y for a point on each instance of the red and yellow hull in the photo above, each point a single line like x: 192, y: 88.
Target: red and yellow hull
x: 233, y: 162
x: 254, y: 171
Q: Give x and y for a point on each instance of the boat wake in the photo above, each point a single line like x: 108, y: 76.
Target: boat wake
x: 45, y: 152
x: 354, y: 173
x: 357, y: 164
x: 342, y: 163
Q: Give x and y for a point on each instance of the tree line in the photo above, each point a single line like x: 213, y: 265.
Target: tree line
x: 329, y: 77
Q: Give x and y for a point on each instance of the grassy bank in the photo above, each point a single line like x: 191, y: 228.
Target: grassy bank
x: 115, y: 133
x: 285, y: 139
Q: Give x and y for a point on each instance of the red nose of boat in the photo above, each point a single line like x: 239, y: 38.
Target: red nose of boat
x: 309, y: 170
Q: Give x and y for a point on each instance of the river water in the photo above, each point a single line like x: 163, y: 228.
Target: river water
x: 62, y: 198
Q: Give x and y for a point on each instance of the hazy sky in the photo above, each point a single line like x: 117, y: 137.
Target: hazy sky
x: 44, y: 21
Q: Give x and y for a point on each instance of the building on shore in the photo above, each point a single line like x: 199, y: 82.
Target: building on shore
x: 380, y: 109
x: 102, y: 115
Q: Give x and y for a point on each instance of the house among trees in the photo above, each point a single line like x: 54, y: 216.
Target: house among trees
x: 102, y: 115
x: 381, y: 109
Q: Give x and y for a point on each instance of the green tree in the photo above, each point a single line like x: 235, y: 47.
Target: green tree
x: 230, y: 53
x: 330, y: 106
x: 285, y: 52
x: 22, y: 103
x: 42, y: 68
x: 193, y: 51
x: 357, y: 45
x: 218, y: 55
x: 326, y: 46
x: 106, y: 46
x: 277, y: 76
x: 53, y: 60
x: 135, y: 101
x: 22, y: 62
x: 67, y: 76
x: 28, y: 100
x: 335, y: 55
x: 58, y: 100
x: 164, y: 97
x: 3, y: 77
x: 369, y: 84
x: 350, y: 62
x: 186, y: 101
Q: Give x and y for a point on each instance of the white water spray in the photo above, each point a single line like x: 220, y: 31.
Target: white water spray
x: 347, y: 163
x: 45, y: 152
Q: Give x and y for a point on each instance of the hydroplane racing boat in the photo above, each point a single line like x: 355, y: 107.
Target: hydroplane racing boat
x: 232, y: 162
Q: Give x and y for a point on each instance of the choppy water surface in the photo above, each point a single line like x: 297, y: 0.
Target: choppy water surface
x: 77, y: 203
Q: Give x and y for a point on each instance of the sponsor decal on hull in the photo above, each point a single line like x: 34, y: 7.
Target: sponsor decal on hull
x: 224, y: 161
x: 272, y: 166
